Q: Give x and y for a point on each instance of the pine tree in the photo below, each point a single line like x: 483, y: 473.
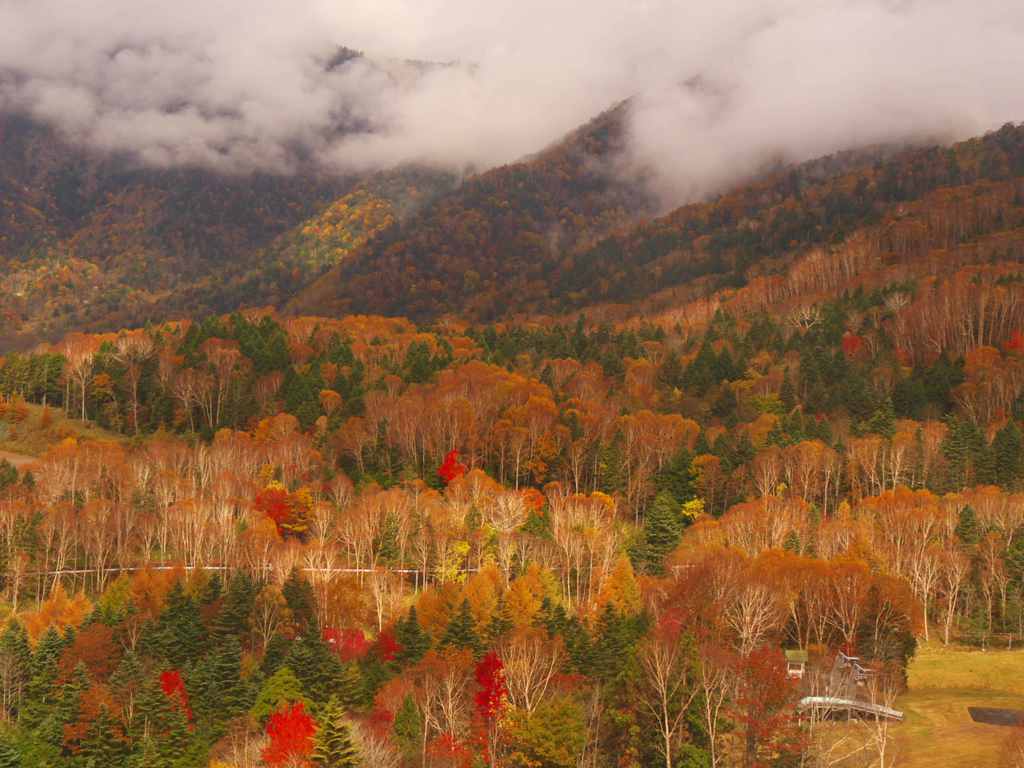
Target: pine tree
x: 40, y: 692
x: 298, y: 594
x: 663, y: 528
x: 501, y: 622
x: 408, y: 726
x: 219, y: 692
x: 413, y: 640
x: 335, y: 747
x: 461, y: 630
x: 126, y: 683
x: 180, y: 636
x: 968, y: 529
x: 351, y: 688
x: 16, y: 663
x: 283, y: 687
x: 317, y: 668
x: 101, y: 745
x: 1008, y: 451
x: 236, y: 609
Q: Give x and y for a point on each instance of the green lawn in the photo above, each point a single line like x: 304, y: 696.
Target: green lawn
x: 938, y: 732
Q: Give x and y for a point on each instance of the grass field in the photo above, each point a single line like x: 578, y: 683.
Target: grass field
x: 938, y: 732
x: 30, y: 437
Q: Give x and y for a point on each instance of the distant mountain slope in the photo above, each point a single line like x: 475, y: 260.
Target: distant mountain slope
x: 92, y: 241
x: 491, y: 244
x: 497, y: 247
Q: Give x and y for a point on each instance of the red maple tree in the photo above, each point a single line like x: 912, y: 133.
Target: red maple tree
x: 490, y: 700
x: 290, y: 731
x: 452, y: 467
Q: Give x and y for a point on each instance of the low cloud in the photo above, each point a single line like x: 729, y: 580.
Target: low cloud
x: 717, y: 89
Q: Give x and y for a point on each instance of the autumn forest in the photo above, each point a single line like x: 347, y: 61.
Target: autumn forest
x: 515, y: 471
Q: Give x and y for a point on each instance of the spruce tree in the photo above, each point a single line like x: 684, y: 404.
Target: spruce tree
x: 180, y: 636
x: 461, y: 630
x: 40, y: 692
x: 413, y: 640
x: 351, y: 687
x: 408, y: 726
x: 298, y: 594
x: 317, y: 668
x: 16, y: 659
x: 663, y: 528
x: 968, y: 529
x: 101, y: 745
x: 1008, y: 451
x: 334, y: 745
x: 501, y: 622
x: 233, y: 618
x: 283, y: 687
x: 220, y: 693
x: 786, y: 394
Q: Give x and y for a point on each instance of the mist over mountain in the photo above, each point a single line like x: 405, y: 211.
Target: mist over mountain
x: 716, y: 90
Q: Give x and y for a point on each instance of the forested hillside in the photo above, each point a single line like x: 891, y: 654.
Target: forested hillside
x: 789, y: 419
x: 94, y: 241
x: 753, y: 230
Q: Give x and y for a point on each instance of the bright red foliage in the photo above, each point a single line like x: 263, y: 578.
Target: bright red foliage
x: 490, y: 676
x: 452, y: 467
x: 291, y: 736
x: 386, y: 646
x: 1015, y: 343
x: 449, y: 752
x: 174, y: 688
x: 349, y: 644
x: 275, y: 503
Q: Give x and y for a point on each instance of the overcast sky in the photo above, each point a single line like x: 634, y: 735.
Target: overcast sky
x: 240, y: 84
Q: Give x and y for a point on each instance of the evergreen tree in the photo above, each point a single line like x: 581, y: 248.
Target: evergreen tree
x: 298, y: 594
x: 282, y: 688
x: 236, y: 609
x: 351, y: 688
x: 786, y: 394
x: 275, y: 654
x: 216, y: 686
x: 413, y: 640
x: 317, y: 668
x: 16, y: 660
x: 677, y: 477
x: 179, y: 635
x: 102, y: 745
x: 408, y: 726
x: 461, y: 631
x: 501, y: 622
x: 1008, y: 452
x: 334, y: 746
x: 663, y: 527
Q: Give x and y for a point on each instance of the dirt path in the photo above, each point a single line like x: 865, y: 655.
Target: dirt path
x: 17, y: 459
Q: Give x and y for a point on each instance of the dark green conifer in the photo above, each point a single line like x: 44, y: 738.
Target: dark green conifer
x: 102, y: 746
x: 663, y: 527
x: 298, y: 594
x: 411, y: 637
x: 233, y: 618
x: 461, y: 630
